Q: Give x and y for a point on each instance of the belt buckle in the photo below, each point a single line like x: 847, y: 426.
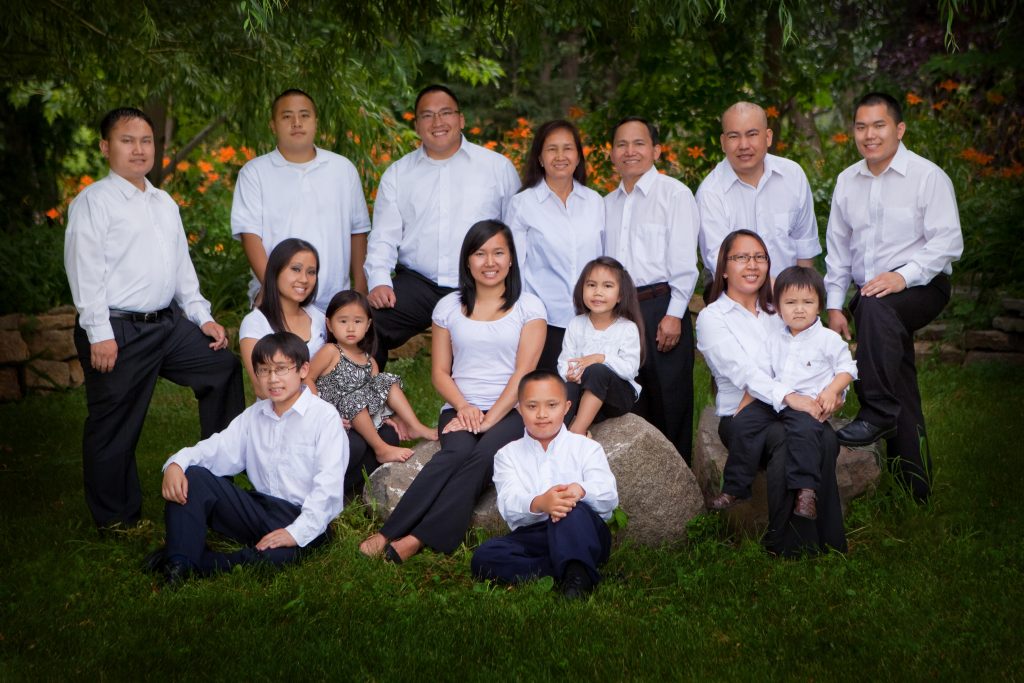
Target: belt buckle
x: 150, y: 317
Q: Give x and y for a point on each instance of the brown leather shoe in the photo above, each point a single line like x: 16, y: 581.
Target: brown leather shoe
x: 723, y: 501
x: 806, y: 504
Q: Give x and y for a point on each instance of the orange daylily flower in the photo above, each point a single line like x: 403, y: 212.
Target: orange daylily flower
x: 913, y: 99
x: 204, y: 166
x: 408, y: 115
x: 575, y: 112
x: 695, y: 152
x: 781, y: 145
x: 995, y: 97
x: 475, y: 130
x: 840, y: 138
x: 182, y: 166
x: 949, y: 85
x: 976, y: 157
x: 247, y: 153
x: 85, y: 181
x: 772, y: 112
x: 53, y: 214
x: 167, y: 162
x: 938, y: 106
x: 226, y: 154
x: 491, y: 144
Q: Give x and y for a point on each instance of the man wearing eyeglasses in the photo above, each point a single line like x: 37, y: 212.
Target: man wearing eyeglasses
x: 894, y: 232
x: 426, y: 202
x: 758, y: 191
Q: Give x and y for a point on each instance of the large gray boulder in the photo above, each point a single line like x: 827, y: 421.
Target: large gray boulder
x: 857, y: 473
x: 657, y: 491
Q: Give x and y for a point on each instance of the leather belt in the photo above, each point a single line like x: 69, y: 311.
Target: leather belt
x: 137, y: 317
x: 652, y: 291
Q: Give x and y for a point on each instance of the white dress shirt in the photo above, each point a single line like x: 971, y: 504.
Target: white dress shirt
x: 300, y: 457
x: 320, y: 201
x: 425, y: 207
x: 733, y: 343
x: 780, y: 209
x: 256, y: 326
x: 484, y: 351
x: 554, y: 241
x: 808, y: 362
x: 620, y: 344
x: 652, y: 231
x: 905, y: 220
x: 126, y: 250
x: 523, y: 470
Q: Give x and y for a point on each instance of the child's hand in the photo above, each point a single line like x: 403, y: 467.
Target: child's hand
x: 557, y: 502
x: 279, y: 538
x: 576, y: 491
x: 829, y: 401
x: 175, y: 484
x: 578, y: 365
x: 805, y: 404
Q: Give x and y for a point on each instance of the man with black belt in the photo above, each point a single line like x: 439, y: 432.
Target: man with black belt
x: 651, y: 228
x: 140, y: 316
x: 426, y: 203
x: 894, y: 230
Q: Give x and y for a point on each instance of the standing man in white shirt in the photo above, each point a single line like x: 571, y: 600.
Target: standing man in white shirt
x: 758, y: 191
x: 426, y: 203
x: 894, y: 231
x: 300, y: 190
x: 651, y: 229
x: 140, y: 316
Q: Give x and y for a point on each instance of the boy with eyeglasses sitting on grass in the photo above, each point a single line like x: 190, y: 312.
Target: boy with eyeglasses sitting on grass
x: 294, y: 450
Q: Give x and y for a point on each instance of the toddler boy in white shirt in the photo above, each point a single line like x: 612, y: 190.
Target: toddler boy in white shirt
x: 294, y: 451
x: 541, y: 478
x: 811, y: 366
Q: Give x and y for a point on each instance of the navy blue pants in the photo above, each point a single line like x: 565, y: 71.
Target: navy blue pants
x: 545, y: 548
x: 244, y: 516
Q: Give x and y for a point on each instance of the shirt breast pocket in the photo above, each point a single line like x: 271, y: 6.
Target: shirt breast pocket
x: 781, y: 222
x: 480, y: 199
x: 901, y: 225
x: 653, y: 236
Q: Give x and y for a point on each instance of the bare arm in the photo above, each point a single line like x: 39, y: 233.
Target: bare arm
x: 531, y: 342
x: 246, y: 346
x: 324, y: 360
x: 358, y: 250
x: 469, y: 417
x: 254, y: 250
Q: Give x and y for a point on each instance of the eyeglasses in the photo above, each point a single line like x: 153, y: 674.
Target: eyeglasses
x: 429, y: 116
x: 265, y: 371
x: 745, y: 258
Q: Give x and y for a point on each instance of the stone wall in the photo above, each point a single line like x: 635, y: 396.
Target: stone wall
x: 37, y: 353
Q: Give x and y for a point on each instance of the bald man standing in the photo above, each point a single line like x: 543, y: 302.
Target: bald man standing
x: 758, y: 191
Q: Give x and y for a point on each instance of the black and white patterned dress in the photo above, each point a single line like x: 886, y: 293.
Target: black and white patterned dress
x: 350, y: 387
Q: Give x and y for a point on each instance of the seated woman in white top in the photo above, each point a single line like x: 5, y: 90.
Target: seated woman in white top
x: 486, y: 336
x: 731, y: 334
x: 558, y: 226
x: 289, y: 290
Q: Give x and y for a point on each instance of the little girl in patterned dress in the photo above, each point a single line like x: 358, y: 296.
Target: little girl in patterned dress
x: 345, y: 375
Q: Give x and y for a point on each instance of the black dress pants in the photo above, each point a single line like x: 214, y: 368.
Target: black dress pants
x: 616, y: 394
x: 171, y: 347
x: 887, y: 374
x: 415, y: 298
x: 437, y: 506
x: 552, y: 349
x: 243, y: 516
x: 789, y: 535
x: 667, y: 379
x: 362, y: 461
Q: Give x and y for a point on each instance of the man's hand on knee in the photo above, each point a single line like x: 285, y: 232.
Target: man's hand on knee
x: 886, y: 283
x: 175, y: 485
x: 216, y: 331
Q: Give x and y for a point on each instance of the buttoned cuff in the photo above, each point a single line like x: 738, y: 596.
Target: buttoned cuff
x: 376, y: 279
x: 779, y: 394
x: 198, y: 314
x: 808, y: 248
x: 676, y: 308
x: 912, y: 274
x: 835, y: 298
x: 99, y: 333
x: 300, y: 531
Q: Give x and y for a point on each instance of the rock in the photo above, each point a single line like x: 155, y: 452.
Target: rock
x: 696, y: 304
x: 10, y: 322
x: 1008, y: 324
x: 1013, y: 305
x: 993, y: 340
x: 932, y: 332
x: 10, y: 388
x: 946, y: 353
x: 657, y: 491
x: 53, y: 321
x: 47, y: 374
x: 411, y: 348
x: 1006, y: 358
x: 857, y: 472
x: 63, y: 310
x: 12, y: 347
x: 53, y: 344
x: 76, y: 375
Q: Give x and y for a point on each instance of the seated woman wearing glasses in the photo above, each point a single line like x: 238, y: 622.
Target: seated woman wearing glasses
x: 731, y: 334
x: 485, y: 337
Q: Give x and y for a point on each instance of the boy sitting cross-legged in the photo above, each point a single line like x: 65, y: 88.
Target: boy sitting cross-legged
x: 294, y: 450
x: 541, y: 478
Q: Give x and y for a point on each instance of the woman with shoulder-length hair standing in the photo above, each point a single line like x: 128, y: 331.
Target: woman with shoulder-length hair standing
x: 558, y: 225
x: 731, y: 334
x: 485, y: 337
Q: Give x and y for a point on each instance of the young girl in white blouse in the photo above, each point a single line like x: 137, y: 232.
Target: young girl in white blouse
x: 289, y: 290
x: 603, y: 347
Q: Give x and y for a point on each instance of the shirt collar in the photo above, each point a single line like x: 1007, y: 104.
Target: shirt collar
x: 127, y: 188
x: 278, y: 159
x: 300, y: 406
x: 464, y: 145
x: 806, y: 334
x: 644, y: 183
x: 730, y: 303
x: 541, y: 191
x: 730, y: 177
x: 535, y: 445
x: 899, y: 163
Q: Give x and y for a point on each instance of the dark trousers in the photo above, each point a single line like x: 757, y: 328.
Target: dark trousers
x: 415, y: 298
x: 887, y: 374
x: 552, y: 349
x: 437, y: 506
x: 804, y: 440
x: 362, y: 461
x: 173, y: 348
x: 243, y: 516
x: 667, y: 379
x: 616, y: 394
x: 790, y: 535
x: 545, y: 548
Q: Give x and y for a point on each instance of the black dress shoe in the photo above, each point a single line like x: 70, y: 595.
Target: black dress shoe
x: 155, y: 561
x: 176, y: 573
x: 863, y: 433
x: 576, y: 583
x: 391, y: 555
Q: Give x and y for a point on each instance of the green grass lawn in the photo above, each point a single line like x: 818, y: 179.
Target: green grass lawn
x: 924, y: 593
